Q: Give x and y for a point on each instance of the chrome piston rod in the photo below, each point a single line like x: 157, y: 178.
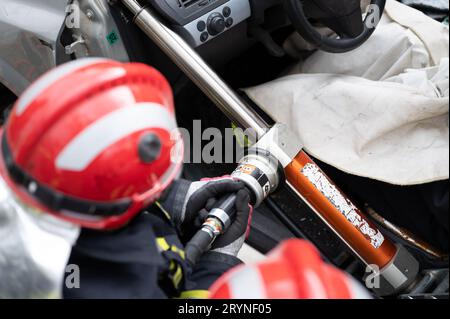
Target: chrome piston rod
x: 188, y: 60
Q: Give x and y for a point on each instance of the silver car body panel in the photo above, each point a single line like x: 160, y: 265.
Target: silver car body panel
x: 30, y: 33
x: 99, y: 32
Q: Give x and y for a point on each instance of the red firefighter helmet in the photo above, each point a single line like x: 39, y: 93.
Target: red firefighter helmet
x: 92, y: 141
x: 294, y: 270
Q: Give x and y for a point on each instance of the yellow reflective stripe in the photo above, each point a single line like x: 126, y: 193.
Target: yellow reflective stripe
x: 178, y: 276
x: 174, y: 267
x: 163, y: 210
x: 162, y: 243
x: 194, y: 294
x: 178, y: 251
x: 177, y: 271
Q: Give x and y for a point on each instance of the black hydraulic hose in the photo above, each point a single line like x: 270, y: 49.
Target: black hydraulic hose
x: 217, y: 223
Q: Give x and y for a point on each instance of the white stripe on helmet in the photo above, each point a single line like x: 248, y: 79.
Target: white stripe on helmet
x: 93, y: 140
x: 357, y: 291
x: 247, y: 283
x: 48, y: 79
x: 315, y: 284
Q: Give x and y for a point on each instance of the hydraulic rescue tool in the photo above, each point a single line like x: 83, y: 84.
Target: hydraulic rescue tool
x: 261, y: 173
x: 395, y: 267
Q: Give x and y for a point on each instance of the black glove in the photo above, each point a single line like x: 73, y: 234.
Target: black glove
x: 187, y: 202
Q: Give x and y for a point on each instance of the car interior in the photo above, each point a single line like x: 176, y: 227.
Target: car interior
x: 242, y: 40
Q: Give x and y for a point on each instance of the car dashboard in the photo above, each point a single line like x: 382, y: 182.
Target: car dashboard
x: 200, y: 21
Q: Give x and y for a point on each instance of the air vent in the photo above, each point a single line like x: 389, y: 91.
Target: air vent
x: 187, y: 3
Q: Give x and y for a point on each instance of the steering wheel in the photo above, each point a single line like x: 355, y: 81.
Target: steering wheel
x: 342, y: 16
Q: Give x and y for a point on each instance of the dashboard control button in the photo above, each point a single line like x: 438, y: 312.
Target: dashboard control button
x: 226, y: 12
x: 229, y: 22
x: 201, y: 26
x: 216, y: 23
x: 204, y: 36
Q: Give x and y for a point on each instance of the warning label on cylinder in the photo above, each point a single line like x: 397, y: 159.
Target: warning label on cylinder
x: 247, y: 169
x: 322, y: 183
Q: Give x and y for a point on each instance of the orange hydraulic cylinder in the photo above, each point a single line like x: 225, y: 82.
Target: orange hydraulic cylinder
x: 361, y: 235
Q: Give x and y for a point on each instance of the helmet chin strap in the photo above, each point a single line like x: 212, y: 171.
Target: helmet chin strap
x: 34, y: 251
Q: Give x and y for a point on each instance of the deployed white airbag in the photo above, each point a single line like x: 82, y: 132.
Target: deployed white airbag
x: 380, y: 111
